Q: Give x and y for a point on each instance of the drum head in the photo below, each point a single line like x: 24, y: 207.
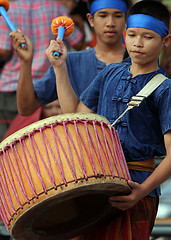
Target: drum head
x: 69, y: 214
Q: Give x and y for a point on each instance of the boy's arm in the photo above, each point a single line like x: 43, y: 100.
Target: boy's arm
x: 26, y: 98
x: 68, y: 100
x: 139, y: 191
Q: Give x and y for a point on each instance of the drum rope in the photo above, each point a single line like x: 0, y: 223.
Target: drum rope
x: 98, y: 144
x: 10, y: 184
x: 41, y: 157
x: 60, y: 168
x: 36, y: 162
x: 107, y: 150
x: 73, y: 167
x: 19, y: 159
x: 92, y: 160
x: 121, y: 156
x: 50, y: 173
x: 14, y: 187
x: 3, y: 216
x: 63, y: 152
x: 112, y: 152
x: 6, y: 189
x: 29, y: 177
x: 20, y: 182
x: 81, y: 153
x: 69, y: 148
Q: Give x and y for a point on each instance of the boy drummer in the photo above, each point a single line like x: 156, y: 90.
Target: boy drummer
x: 144, y: 131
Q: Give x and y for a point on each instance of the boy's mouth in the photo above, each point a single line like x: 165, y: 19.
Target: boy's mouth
x: 137, y: 53
x: 110, y: 33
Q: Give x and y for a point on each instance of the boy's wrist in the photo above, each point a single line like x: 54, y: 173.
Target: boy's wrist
x: 27, y: 63
x: 60, y: 66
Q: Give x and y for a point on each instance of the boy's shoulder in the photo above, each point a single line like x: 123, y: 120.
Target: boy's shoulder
x: 82, y: 52
x: 165, y: 85
x: 81, y: 57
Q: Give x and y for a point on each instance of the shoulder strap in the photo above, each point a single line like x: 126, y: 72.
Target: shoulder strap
x: 144, y: 93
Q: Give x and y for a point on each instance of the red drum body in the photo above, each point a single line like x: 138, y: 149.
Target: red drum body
x: 57, y: 175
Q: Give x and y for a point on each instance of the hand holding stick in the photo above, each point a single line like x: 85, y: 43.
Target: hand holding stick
x: 4, y: 6
x: 62, y: 27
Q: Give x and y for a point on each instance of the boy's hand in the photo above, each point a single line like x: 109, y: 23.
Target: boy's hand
x: 18, y: 38
x: 128, y: 201
x: 56, y: 46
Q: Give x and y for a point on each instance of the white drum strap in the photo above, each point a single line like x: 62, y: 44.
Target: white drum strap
x: 144, y: 93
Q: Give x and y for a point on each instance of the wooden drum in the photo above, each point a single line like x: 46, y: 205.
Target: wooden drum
x: 57, y: 175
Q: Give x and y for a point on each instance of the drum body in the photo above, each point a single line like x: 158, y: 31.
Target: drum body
x: 57, y: 175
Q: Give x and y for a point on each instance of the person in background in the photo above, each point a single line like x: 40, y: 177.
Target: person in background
x: 78, y: 10
x: 19, y: 122
x: 34, y: 19
x: 108, y: 20
x: 51, y: 109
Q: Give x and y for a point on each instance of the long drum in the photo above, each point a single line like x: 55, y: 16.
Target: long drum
x: 57, y: 175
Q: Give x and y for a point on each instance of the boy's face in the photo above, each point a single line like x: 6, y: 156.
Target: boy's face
x: 108, y: 24
x: 143, y: 45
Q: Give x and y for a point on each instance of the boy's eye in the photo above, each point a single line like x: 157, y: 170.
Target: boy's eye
x: 131, y: 35
x: 118, y: 16
x: 102, y: 15
x: 148, y: 37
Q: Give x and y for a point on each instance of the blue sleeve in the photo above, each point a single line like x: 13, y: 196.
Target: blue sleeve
x: 90, y: 96
x: 45, y: 88
x: 165, y: 107
x: 82, y: 69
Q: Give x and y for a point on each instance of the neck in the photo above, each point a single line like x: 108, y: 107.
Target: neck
x: 110, y: 53
x: 143, y: 69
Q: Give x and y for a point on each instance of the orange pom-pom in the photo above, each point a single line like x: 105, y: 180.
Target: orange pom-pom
x: 65, y: 22
x: 5, y: 4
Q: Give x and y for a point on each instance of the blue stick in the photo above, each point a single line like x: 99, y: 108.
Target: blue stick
x: 61, y: 32
x: 9, y: 22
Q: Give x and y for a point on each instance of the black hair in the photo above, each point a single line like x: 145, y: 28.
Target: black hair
x: 152, y: 8
x: 128, y: 3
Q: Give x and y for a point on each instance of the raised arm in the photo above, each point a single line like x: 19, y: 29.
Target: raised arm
x: 27, y: 100
x: 69, y: 102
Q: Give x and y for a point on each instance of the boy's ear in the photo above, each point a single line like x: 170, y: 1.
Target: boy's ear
x: 167, y: 40
x: 90, y: 19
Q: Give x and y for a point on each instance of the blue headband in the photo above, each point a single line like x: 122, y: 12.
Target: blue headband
x: 149, y: 22
x: 101, y: 4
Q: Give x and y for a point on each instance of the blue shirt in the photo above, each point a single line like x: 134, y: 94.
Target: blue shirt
x: 83, y: 66
x: 140, y: 129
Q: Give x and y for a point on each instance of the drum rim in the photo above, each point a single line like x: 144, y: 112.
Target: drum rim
x: 51, y: 120
x: 27, y: 218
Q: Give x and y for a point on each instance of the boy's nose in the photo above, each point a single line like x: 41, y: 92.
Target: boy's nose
x: 138, y: 42
x: 110, y: 21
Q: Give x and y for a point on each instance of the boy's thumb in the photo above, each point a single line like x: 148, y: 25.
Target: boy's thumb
x: 59, y: 40
x: 131, y: 183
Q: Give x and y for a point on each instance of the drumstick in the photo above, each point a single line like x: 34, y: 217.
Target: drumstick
x: 4, y: 6
x: 62, y: 27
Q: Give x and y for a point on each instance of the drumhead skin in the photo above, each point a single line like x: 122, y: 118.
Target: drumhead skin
x: 58, y: 174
